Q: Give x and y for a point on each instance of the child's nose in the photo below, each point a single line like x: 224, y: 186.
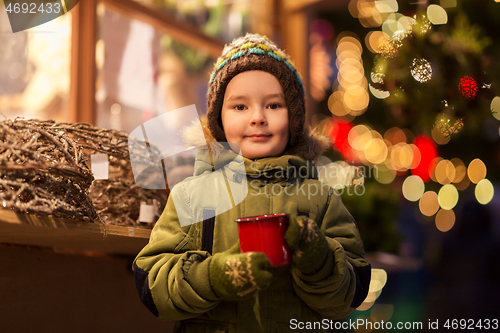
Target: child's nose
x: 258, y: 117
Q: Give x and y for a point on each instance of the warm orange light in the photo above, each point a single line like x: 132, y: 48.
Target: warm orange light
x: 445, y: 172
x: 395, y: 135
x: 476, y: 171
x: 460, y: 170
x: 428, y: 203
x: 445, y: 220
x: 448, y: 197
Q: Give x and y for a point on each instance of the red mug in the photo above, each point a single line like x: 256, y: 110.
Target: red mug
x: 266, y: 234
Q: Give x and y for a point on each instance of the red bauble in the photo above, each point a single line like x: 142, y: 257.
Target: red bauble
x: 468, y: 87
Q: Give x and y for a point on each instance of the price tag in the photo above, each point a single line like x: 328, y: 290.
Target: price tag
x: 100, y: 166
x: 147, y: 213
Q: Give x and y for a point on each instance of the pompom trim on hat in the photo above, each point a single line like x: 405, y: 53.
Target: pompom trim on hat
x: 260, y: 45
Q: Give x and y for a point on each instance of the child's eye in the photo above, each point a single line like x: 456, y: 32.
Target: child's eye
x: 240, y: 107
x: 274, y: 106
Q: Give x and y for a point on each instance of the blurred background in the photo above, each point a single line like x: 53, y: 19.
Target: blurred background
x: 408, y: 91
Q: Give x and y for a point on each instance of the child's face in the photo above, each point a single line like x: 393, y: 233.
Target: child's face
x: 254, y: 114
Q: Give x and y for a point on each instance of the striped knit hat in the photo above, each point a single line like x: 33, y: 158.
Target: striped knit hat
x: 256, y: 52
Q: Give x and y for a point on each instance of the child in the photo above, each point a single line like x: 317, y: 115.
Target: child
x: 196, y: 275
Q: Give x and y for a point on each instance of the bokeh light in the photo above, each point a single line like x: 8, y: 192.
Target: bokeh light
x: 356, y: 98
x: 428, y: 152
x: 387, y: 6
x: 413, y: 188
x: 377, y: 282
x: 416, y: 156
x: 336, y: 104
x: 323, y: 28
x: 384, y: 175
x: 376, y: 151
x: 375, y: 41
x: 432, y: 168
x: 448, y: 3
x: 339, y: 132
x: 437, y: 14
x: 463, y: 184
x: 395, y: 135
x: 444, y: 172
x: 484, y: 191
x: 392, y: 26
x: 445, y: 220
x: 380, y: 94
x: 366, y: 12
x: 476, y: 170
x: 448, y: 197
x: 439, y: 137
x: 495, y: 107
x: 402, y: 156
x: 359, y: 136
x: 407, y: 23
x: 460, y: 170
x: 350, y: 96
x: 428, y: 203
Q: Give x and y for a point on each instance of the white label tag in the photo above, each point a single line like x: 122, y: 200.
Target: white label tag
x: 100, y: 166
x: 147, y: 213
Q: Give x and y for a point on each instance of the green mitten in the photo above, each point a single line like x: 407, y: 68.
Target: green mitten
x: 235, y: 275
x: 309, y: 245
x: 294, y: 231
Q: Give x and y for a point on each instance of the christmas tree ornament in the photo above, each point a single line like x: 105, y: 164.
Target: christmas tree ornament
x: 421, y: 70
x: 448, y: 126
x: 377, y: 77
x: 468, y: 87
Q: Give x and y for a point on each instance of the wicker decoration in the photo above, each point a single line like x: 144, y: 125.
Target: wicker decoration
x: 117, y: 199
x: 43, y: 171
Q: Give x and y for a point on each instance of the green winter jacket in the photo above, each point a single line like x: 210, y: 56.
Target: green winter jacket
x: 172, y: 274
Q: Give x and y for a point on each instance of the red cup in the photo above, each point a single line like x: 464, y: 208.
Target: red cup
x: 266, y: 234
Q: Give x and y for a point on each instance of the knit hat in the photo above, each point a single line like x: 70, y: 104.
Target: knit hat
x: 256, y: 52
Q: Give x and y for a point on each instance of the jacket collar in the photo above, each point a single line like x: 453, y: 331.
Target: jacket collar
x: 283, y: 167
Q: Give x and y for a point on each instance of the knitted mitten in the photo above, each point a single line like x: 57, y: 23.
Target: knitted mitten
x: 235, y: 275
x: 309, y: 245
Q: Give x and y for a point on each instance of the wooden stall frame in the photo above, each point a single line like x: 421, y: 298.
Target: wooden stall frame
x: 82, y: 103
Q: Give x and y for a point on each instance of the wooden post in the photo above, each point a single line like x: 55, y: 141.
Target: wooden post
x: 295, y: 34
x: 82, y: 104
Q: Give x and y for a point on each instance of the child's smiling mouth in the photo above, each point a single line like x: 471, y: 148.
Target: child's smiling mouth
x: 259, y: 137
